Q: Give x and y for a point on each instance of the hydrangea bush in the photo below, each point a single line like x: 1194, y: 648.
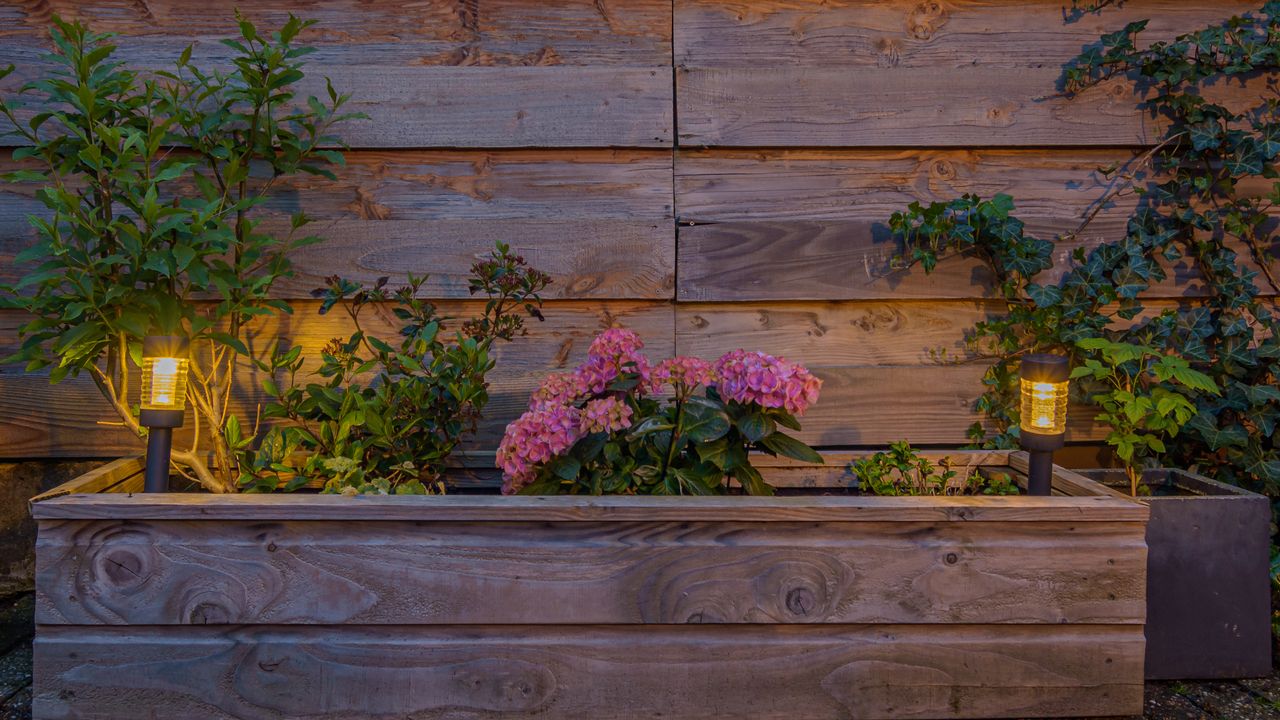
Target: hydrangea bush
x: 685, y: 426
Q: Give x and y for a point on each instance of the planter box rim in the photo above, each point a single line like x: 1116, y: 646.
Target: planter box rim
x: 1219, y: 490
x: 196, y: 506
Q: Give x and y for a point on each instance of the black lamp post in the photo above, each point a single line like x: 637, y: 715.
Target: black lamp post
x: 165, y: 363
x: 1043, y: 427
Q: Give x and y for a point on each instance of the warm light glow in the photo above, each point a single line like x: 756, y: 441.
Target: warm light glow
x: 164, y: 383
x: 1044, y: 407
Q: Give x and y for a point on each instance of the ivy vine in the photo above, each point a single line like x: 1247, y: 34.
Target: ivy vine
x: 1206, y: 196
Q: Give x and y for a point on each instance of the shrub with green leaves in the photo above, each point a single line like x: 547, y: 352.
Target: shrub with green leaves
x: 140, y: 238
x: 903, y: 471
x: 381, y: 418
x: 1143, y: 394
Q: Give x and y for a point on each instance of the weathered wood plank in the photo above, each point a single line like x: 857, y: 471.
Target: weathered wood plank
x: 62, y: 421
x: 1071, y: 483
x: 911, y: 34
x: 869, y: 185
x: 825, y: 334
x: 597, y: 220
x: 856, y: 260
x: 477, y: 508
x: 377, y: 32
x: 812, y: 224
x: 418, y: 107
x: 818, y: 106
x: 354, y: 572
x: 102, y: 479
x: 861, y: 73
x: 430, y: 81
x: 705, y: 672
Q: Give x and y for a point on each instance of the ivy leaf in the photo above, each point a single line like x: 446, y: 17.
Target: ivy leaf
x: 1206, y: 426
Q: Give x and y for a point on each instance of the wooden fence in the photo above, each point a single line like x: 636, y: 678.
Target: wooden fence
x: 711, y: 173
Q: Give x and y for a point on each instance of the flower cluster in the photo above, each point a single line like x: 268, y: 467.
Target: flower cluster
x: 606, y: 415
x: 612, y: 353
x: 755, y: 377
x: 683, y: 371
x: 559, y: 389
x: 536, y: 437
x: 589, y: 430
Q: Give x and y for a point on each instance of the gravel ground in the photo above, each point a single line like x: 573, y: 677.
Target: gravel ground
x: 1257, y: 699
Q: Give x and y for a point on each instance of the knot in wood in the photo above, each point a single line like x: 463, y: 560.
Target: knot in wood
x: 210, y: 613
x: 925, y: 19
x: 942, y: 170
x: 801, y: 601
x: 951, y: 558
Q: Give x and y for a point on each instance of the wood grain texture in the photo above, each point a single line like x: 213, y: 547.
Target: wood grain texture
x: 378, y: 32
x: 783, y: 260
x: 360, y: 572
x: 704, y: 672
x: 488, y: 107
x: 556, y: 508
x: 106, y: 478
x: 51, y: 421
x: 599, y: 221
x: 858, y: 73
x: 847, y: 107
x: 882, y: 34
x: 812, y: 224
x: 436, y: 84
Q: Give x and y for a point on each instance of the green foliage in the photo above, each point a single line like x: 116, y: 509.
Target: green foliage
x: 142, y: 239
x: 692, y: 444
x: 1143, y: 399
x: 903, y: 471
x: 383, y: 418
x: 1197, y: 206
x: 1039, y: 317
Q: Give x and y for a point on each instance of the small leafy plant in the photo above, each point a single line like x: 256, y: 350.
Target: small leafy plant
x: 383, y: 418
x: 903, y: 471
x: 603, y: 429
x: 1142, y: 399
x: 140, y: 238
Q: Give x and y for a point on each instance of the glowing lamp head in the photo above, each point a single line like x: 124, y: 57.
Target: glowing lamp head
x: 165, y: 364
x: 1045, y: 380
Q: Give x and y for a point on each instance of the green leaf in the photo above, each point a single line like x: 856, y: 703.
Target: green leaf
x: 790, y: 447
x: 756, y: 426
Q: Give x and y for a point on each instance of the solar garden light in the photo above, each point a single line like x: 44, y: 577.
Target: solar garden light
x: 1043, y: 425
x: 165, y: 364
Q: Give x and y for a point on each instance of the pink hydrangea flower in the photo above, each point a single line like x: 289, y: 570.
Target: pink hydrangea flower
x: 618, y: 345
x: 768, y: 381
x: 535, y: 438
x: 612, y: 353
x: 559, y: 389
x: 683, y: 370
x: 606, y: 415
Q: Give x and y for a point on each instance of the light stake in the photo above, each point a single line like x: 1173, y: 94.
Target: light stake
x: 165, y: 364
x: 1044, y: 382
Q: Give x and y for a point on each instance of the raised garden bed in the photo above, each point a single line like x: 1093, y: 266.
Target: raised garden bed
x: 266, y: 606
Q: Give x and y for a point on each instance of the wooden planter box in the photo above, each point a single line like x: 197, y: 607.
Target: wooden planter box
x: 270, y: 606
